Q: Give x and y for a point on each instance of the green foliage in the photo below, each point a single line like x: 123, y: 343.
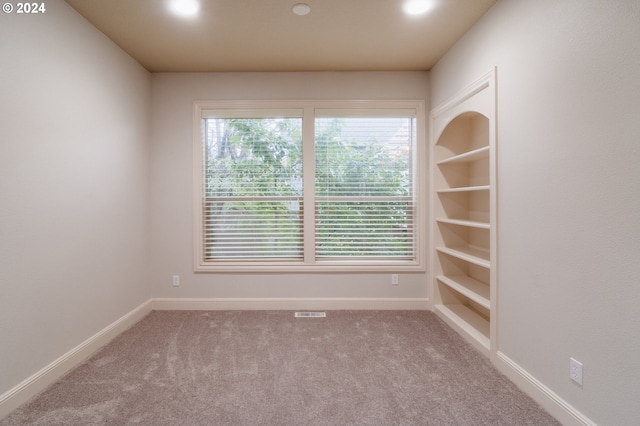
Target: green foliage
x: 352, y: 167
x: 254, y: 157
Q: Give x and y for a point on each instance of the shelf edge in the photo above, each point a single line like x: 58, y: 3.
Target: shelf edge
x: 468, y: 223
x: 473, y: 155
x: 464, y: 189
x: 465, y: 256
x: 466, y: 291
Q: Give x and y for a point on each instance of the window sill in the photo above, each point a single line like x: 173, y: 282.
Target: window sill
x: 299, y: 267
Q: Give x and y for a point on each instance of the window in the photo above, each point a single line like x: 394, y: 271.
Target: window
x: 252, y: 189
x: 308, y: 185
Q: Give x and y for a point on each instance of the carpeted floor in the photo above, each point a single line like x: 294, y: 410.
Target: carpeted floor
x: 269, y: 368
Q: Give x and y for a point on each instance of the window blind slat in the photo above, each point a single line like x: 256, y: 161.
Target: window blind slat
x: 364, y: 112
x: 252, y: 113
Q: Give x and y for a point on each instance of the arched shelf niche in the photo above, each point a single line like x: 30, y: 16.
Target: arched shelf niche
x: 463, y: 213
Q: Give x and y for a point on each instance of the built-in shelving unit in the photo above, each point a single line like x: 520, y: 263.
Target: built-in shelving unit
x: 463, y: 215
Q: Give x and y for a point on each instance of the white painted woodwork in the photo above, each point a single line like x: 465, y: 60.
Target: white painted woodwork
x: 463, y: 224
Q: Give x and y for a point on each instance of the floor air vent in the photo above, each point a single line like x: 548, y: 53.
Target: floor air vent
x: 310, y: 314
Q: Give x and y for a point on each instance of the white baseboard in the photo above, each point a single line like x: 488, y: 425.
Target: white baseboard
x: 181, y: 304
x: 37, y: 382
x: 564, y: 412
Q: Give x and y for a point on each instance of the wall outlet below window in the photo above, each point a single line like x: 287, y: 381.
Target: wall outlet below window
x: 575, y: 371
x: 394, y: 279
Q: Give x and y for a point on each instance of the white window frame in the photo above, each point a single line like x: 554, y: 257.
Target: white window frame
x: 309, y: 263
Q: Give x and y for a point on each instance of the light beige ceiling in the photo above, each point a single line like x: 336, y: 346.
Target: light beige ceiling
x: 265, y: 35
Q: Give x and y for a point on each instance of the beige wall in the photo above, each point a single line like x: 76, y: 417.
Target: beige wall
x: 172, y: 182
x: 84, y: 199
x: 73, y: 187
x: 568, y: 190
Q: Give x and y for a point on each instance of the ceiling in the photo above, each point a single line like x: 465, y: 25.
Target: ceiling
x: 265, y: 35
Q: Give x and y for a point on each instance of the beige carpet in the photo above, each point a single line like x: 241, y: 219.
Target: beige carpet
x: 269, y: 368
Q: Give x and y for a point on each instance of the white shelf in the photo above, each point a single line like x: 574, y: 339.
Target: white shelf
x: 468, y: 254
x: 466, y: 157
x: 468, y: 223
x: 468, y: 323
x: 463, y: 219
x: 469, y: 287
x: 464, y: 189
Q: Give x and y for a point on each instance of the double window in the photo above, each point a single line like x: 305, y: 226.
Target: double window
x: 308, y: 185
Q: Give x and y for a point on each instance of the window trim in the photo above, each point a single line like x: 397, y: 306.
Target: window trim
x: 310, y: 264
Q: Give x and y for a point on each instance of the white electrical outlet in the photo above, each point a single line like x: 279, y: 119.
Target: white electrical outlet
x: 394, y: 279
x: 176, y: 280
x: 575, y: 371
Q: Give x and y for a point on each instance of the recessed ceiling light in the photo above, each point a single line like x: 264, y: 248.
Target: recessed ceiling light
x: 417, y: 7
x: 301, y: 9
x: 186, y: 8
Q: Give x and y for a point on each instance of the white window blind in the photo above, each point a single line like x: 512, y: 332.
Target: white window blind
x: 252, y: 186
x: 364, y: 186
x: 308, y: 185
